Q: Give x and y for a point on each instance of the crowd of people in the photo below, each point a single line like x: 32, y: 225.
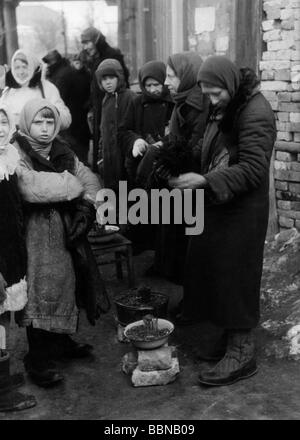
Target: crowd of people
x: 194, y: 125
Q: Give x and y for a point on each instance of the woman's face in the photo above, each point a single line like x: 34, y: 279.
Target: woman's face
x: 219, y: 97
x: 21, y: 70
x: 42, y: 129
x: 4, y: 131
x: 153, y: 86
x: 172, y: 81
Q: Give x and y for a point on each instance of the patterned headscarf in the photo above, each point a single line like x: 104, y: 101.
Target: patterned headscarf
x: 27, y: 115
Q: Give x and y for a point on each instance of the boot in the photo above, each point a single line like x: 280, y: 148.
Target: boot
x: 238, y: 363
x: 11, y: 400
x: 42, y: 372
x: 214, y: 351
x: 38, y: 361
x: 63, y: 347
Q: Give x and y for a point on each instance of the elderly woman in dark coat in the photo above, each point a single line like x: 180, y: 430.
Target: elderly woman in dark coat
x: 188, y: 122
x: 224, y: 264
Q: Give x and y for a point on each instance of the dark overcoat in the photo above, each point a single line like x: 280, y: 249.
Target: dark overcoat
x: 224, y: 263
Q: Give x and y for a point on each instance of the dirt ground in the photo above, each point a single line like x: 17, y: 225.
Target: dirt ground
x: 97, y: 389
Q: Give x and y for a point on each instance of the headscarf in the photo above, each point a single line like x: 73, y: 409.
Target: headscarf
x: 112, y: 67
x: 27, y: 115
x: 186, y: 66
x: 157, y: 71
x: 219, y: 71
x: 28, y: 58
x: 9, y: 156
x: 90, y: 34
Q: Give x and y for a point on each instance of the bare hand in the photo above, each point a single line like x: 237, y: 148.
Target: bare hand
x: 188, y: 181
x: 139, y: 148
x: 3, y: 285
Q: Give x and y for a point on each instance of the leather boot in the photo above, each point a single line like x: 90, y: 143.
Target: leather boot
x: 238, y: 363
x: 11, y: 400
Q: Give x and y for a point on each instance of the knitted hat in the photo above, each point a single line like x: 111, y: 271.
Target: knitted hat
x: 90, y: 34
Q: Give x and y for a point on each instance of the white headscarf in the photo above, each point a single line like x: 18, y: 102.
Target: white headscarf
x: 32, y: 62
x: 9, y: 156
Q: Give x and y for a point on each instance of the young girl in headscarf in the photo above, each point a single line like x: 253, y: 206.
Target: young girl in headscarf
x: 50, y: 177
x: 13, y: 287
x: 24, y: 82
x: 224, y: 264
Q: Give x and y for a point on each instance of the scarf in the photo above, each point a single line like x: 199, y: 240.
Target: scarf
x: 219, y: 71
x: 9, y: 156
x: 186, y: 66
x: 27, y: 115
x: 157, y: 71
x: 28, y: 58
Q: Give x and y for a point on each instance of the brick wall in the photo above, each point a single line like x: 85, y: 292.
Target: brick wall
x: 280, y: 74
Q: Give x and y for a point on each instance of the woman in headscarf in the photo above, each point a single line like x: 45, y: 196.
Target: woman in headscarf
x: 13, y: 287
x: 187, y: 123
x: 224, y: 264
x: 50, y: 178
x: 147, y: 124
x: 24, y: 82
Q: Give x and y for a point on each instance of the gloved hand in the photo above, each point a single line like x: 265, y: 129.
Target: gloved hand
x: 3, y: 285
x: 139, y: 148
x: 82, y: 221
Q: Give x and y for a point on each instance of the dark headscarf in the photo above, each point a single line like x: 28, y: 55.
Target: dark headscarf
x: 186, y: 65
x: 219, y: 71
x: 157, y: 71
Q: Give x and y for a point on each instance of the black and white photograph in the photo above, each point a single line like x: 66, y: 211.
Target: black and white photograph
x: 149, y: 213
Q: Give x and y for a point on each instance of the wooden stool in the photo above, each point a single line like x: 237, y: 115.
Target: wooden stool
x: 122, y: 250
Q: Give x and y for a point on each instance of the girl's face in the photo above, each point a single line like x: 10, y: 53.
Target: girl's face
x: 172, y: 80
x: 153, y: 86
x: 21, y: 70
x: 4, y: 131
x: 42, y: 129
x: 110, y: 83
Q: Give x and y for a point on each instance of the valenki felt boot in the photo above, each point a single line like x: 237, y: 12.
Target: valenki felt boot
x: 238, y: 363
x: 11, y: 400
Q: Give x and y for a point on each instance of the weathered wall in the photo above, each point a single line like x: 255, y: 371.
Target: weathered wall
x: 211, y: 27
x: 280, y: 73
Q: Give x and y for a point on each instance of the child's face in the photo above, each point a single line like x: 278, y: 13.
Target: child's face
x: 42, y: 129
x: 4, y: 132
x: 21, y: 70
x: 110, y: 83
x: 153, y: 86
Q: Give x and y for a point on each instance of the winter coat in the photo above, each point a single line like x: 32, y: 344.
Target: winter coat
x: 188, y: 121
x: 115, y: 108
x: 15, y: 97
x: 224, y: 263
x: 74, y: 88
x: 104, y: 51
x: 12, y: 245
x: 48, y: 187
